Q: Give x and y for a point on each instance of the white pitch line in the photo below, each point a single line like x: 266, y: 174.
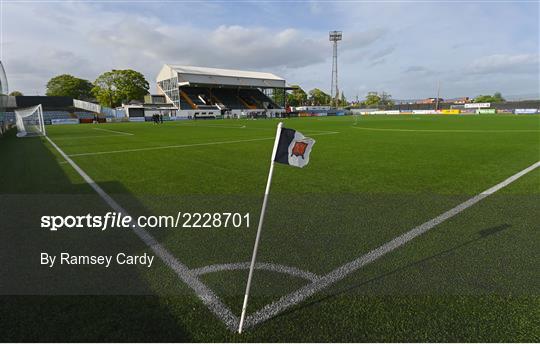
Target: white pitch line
x: 289, y: 270
x: 183, y: 146
x: 206, y: 295
x: 223, y: 313
x: 168, y: 147
x: 341, y: 272
x: 114, y: 131
x: 450, y: 130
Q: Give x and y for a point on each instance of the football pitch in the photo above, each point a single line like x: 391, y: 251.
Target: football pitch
x: 401, y: 228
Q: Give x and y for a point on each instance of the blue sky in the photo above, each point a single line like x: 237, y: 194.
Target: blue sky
x: 403, y: 48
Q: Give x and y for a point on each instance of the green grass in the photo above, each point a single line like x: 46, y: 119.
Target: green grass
x: 472, y: 278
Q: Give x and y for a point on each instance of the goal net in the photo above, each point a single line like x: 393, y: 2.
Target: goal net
x: 3, y: 99
x: 29, y: 121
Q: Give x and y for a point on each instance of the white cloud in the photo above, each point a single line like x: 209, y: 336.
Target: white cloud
x: 417, y: 70
x: 232, y: 46
x: 56, y: 44
x: 382, y: 48
x: 506, y: 64
x: 382, y: 53
x: 377, y: 62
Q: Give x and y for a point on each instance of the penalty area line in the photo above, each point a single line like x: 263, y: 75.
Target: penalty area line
x: 207, y: 296
x: 185, y: 145
x: 114, y: 131
x: 168, y: 147
x: 341, y: 272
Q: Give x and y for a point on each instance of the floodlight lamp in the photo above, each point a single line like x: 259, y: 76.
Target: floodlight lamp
x: 335, y: 36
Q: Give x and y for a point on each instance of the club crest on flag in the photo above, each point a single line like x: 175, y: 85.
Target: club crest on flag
x: 299, y: 149
x: 293, y: 148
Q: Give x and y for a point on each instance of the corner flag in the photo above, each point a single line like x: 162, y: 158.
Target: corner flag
x: 290, y: 148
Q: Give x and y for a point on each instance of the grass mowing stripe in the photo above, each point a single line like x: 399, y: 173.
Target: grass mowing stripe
x: 186, y: 145
x: 86, y: 137
x: 201, y: 290
x: 341, y: 272
x: 193, y: 125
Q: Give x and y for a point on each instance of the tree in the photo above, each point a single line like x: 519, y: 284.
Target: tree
x: 120, y: 86
x: 482, y: 99
x: 297, y: 97
x: 16, y: 94
x: 495, y: 98
x: 343, y: 100
x: 318, y: 97
x: 278, y: 96
x: 386, y: 99
x: 66, y: 85
x: 372, y: 99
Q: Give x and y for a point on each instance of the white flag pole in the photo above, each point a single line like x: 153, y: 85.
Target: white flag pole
x: 261, y: 220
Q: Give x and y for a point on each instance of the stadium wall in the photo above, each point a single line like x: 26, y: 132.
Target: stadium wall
x: 525, y: 104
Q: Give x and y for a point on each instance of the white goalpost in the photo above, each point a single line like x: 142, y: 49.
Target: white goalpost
x: 30, y: 122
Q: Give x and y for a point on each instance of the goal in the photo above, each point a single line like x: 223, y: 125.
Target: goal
x: 30, y: 122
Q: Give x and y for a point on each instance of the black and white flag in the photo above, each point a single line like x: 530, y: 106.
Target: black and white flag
x: 293, y: 148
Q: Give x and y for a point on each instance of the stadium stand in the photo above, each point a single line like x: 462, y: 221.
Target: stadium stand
x: 257, y: 97
x: 232, y: 98
x: 54, y: 108
x: 199, y: 88
x: 48, y: 103
x: 229, y: 98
